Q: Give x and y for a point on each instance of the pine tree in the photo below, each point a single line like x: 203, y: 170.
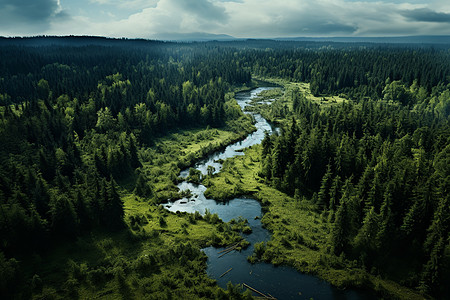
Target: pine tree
x: 340, y: 232
x: 335, y: 192
x: 41, y: 197
x: 323, y: 199
x: 431, y: 281
x: 82, y: 210
x: 386, y: 234
x: 364, y: 242
x: 113, y: 209
x: 266, y: 167
x: 266, y: 144
x: 134, y: 160
x: 278, y: 164
x: 63, y: 216
x: 48, y: 171
x: 96, y: 203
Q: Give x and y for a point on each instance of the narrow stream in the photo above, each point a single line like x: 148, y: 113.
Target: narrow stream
x: 281, y: 282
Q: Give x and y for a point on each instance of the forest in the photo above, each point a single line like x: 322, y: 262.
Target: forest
x: 94, y: 133
x: 378, y: 171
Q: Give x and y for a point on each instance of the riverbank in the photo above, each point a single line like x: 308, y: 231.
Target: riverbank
x: 300, y: 235
x: 250, y: 209
x: 163, y: 162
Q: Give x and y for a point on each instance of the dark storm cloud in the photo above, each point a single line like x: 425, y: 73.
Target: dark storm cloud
x: 426, y: 15
x: 203, y: 9
x: 29, y: 15
x: 239, y: 18
x: 316, y: 22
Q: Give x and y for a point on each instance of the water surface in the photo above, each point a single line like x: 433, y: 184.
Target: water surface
x: 281, y: 282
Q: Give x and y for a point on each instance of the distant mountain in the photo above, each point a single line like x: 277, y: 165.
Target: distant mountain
x: 420, y: 39
x: 195, y: 37
x: 227, y: 40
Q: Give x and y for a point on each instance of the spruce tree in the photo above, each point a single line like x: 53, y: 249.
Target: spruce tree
x: 323, y: 199
x: 341, y: 230
x: 63, y: 217
x: 113, y: 209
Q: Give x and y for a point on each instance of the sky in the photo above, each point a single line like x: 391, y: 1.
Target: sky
x: 162, y: 19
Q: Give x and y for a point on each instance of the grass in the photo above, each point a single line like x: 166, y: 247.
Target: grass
x: 177, y: 227
x: 163, y: 162
x: 278, y: 110
x: 304, y: 88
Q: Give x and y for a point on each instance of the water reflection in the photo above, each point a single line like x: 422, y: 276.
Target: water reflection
x: 281, y: 282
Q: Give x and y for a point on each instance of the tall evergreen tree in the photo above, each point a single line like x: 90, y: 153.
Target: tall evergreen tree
x: 340, y: 233
x: 63, y: 216
x: 113, y: 209
x: 323, y: 200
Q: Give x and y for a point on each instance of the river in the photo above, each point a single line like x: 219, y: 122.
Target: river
x: 282, y: 282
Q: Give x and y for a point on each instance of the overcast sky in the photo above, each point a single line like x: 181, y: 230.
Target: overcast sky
x: 238, y: 18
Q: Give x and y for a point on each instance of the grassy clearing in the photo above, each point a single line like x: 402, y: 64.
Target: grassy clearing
x: 277, y: 111
x: 304, y: 88
x: 163, y: 162
x: 300, y: 235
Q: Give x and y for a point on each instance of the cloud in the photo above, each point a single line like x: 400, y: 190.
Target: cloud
x: 265, y: 18
x: 251, y: 18
x: 126, y: 4
x: 427, y: 15
x: 29, y: 16
x: 168, y: 16
x: 203, y: 9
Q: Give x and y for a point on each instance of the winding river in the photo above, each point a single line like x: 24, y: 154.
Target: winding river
x: 281, y: 282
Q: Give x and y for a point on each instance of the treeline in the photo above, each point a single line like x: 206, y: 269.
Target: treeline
x: 354, y: 69
x: 380, y: 171
x: 358, y: 72
x: 77, y: 70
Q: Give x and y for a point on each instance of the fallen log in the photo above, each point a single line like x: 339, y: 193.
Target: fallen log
x: 226, y: 251
x: 232, y: 246
x: 258, y: 292
x: 224, y: 273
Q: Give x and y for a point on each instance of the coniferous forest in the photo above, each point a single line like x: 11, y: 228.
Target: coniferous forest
x: 94, y: 132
